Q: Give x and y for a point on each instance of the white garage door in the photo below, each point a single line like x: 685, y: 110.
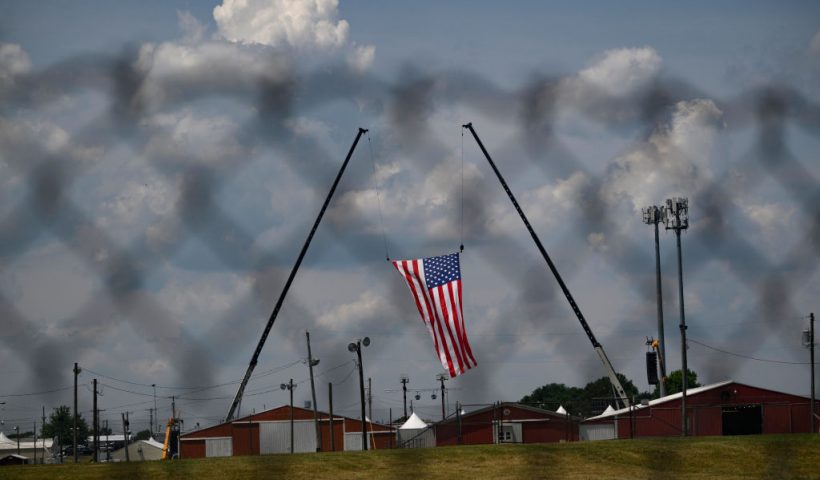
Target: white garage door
x: 218, y: 447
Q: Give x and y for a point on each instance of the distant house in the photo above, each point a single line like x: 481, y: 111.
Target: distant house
x: 725, y: 408
x: 269, y: 432
x: 138, y: 451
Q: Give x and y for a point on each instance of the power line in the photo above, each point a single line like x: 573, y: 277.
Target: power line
x: 36, y: 393
x: 784, y: 362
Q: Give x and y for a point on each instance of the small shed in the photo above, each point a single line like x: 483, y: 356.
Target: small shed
x: 415, y: 433
x: 139, y: 451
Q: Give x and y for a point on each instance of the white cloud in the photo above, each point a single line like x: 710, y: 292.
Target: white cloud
x: 174, y: 70
x: 621, y: 71
x: 675, y: 160
x: 769, y: 216
x: 13, y: 61
x: 294, y: 23
x: 362, y: 57
x: 598, y: 242
x: 186, y: 134
x: 349, y: 315
x: 192, y: 29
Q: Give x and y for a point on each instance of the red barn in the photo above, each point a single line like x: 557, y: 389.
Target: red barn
x: 507, y: 423
x: 269, y: 432
x: 725, y: 408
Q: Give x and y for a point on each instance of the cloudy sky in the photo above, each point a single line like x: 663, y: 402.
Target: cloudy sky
x: 161, y: 164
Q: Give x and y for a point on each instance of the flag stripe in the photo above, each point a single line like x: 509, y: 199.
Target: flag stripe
x: 417, y: 289
x: 463, y: 328
x: 441, y: 306
x: 441, y: 348
x: 457, y: 323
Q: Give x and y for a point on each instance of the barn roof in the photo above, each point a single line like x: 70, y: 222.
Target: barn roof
x: 689, y: 391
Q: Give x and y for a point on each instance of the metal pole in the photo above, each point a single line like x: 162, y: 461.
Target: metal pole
x: 96, y: 445
x: 684, y: 366
x: 275, y: 313
x: 811, y: 355
x: 330, y: 403
x: 44, y: 437
x: 661, y: 342
x: 290, y: 388
x: 393, y: 430
x: 369, y: 399
x: 17, y: 434
x: 153, y: 431
x: 74, y: 435
x: 443, y: 410
x: 361, y: 394
x: 404, y: 381
x: 313, y: 396
x: 125, y: 436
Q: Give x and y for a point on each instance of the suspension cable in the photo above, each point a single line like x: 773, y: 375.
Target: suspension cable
x: 461, y: 246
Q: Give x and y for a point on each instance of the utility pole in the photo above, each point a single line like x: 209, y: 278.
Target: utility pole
x: 404, y: 379
x: 312, y: 363
x: 330, y: 403
x: 155, y: 410
x: 441, y: 378
x: 357, y: 347
x: 151, y: 421
x: 808, y: 342
x: 290, y: 386
x: 811, y: 352
x: 74, y: 433
x: 125, y: 426
x: 653, y: 216
x: 369, y: 399
x: 677, y: 219
x: 94, y: 422
x: 44, y: 437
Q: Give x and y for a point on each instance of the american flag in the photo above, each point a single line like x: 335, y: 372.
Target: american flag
x: 435, y: 283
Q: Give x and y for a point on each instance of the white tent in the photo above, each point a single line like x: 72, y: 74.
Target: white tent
x: 413, y: 423
x: 415, y: 433
x: 561, y: 410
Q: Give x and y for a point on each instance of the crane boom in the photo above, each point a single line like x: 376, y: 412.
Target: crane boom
x: 255, y: 358
x: 613, y: 378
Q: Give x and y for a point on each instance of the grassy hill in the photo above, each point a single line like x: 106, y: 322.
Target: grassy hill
x: 761, y: 456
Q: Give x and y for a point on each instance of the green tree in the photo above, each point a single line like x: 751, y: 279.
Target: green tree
x: 591, y: 399
x: 675, y: 380
x: 60, y: 424
x: 143, y: 435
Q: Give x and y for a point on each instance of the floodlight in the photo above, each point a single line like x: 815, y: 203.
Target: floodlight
x: 351, y: 347
x: 433, y: 396
x: 418, y: 397
x: 366, y: 341
x: 314, y: 362
x: 283, y: 386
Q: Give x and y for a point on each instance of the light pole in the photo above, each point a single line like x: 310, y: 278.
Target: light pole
x: 653, y: 216
x: 357, y: 348
x: 808, y: 342
x: 290, y: 386
x: 677, y: 219
x: 17, y: 434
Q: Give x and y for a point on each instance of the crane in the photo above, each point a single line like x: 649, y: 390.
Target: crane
x: 599, y: 349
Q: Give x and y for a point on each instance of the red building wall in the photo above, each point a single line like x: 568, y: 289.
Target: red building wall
x: 477, y: 428
x: 781, y: 413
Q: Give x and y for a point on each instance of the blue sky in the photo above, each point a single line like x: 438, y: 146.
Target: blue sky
x: 162, y: 163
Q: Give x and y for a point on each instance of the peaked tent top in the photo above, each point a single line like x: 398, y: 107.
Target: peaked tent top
x: 413, y: 423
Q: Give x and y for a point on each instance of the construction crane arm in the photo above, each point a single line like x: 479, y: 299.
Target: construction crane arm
x: 255, y: 358
x: 613, y: 378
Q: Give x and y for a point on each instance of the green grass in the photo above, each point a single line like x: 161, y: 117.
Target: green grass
x: 761, y: 456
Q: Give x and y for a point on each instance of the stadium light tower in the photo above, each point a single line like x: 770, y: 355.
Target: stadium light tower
x: 677, y: 219
x: 653, y: 216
